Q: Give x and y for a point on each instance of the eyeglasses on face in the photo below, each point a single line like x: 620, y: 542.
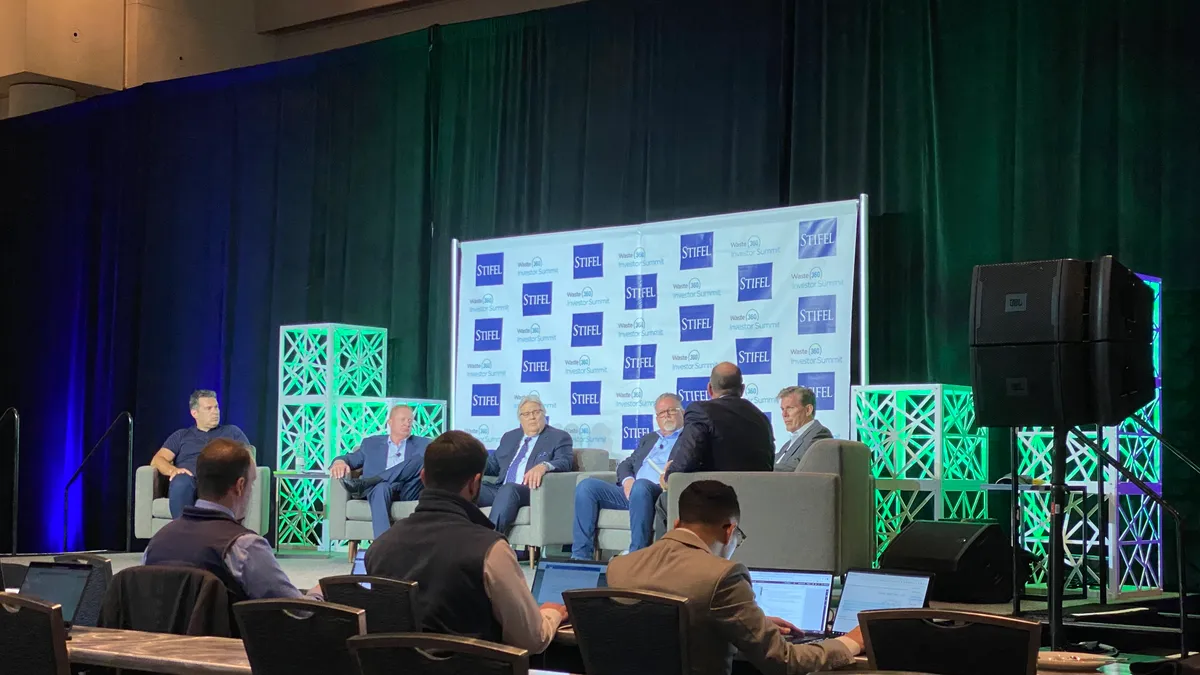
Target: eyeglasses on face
x: 668, y: 411
x: 532, y: 414
x: 741, y: 534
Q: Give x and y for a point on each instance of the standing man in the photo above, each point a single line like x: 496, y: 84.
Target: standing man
x: 391, y: 468
x: 524, y: 456
x: 637, y: 486
x: 471, y: 584
x: 693, y: 561
x: 176, y: 459
x: 799, y: 408
x: 724, y: 433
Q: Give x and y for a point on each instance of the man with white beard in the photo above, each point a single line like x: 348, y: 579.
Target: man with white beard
x: 637, y: 487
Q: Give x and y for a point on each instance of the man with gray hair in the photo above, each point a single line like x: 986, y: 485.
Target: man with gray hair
x: 799, y: 408
x: 176, y: 459
x: 524, y: 456
x: 637, y: 486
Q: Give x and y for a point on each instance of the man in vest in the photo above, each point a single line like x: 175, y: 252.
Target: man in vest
x: 470, y: 581
x: 209, y: 535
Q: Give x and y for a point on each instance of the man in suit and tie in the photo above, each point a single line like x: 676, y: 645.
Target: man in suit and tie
x: 391, y: 468
x: 693, y: 561
x: 524, y: 456
x: 799, y: 408
x: 637, y: 485
x: 724, y: 433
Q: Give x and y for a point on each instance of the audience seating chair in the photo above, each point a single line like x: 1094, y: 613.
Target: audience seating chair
x: 426, y: 654
x: 285, y: 637
x: 168, y: 599
x: 152, y: 509
x: 821, y: 517
x: 13, y: 574
x: 33, y: 639
x: 88, y: 612
x: 547, y: 521
x: 950, y: 642
x: 390, y: 604
x: 612, y: 626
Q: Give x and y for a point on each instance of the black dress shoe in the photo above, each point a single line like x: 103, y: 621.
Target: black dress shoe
x: 358, y: 487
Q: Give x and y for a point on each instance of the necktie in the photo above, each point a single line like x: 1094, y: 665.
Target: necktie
x: 786, y: 447
x: 516, y: 463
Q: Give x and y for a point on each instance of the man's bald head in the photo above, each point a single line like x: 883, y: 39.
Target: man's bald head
x: 725, y: 380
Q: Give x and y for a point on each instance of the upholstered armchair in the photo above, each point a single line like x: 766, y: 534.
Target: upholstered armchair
x: 152, y: 510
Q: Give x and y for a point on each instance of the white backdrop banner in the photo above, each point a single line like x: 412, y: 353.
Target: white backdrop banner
x: 599, y: 322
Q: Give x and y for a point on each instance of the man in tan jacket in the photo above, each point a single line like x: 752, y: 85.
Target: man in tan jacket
x: 693, y: 561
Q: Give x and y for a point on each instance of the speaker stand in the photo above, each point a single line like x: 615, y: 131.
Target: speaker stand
x: 1058, y: 515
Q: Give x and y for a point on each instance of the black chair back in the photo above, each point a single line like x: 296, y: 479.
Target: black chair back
x: 612, y: 628
x: 428, y: 654
x: 285, y: 637
x: 950, y: 643
x: 88, y: 612
x: 169, y: 599
x: 33, y: 639
x: 13, y: 574
x: 390, y: 604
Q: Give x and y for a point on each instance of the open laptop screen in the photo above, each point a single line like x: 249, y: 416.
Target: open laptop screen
x: 867, y: 590
x: 360, y: 563
x: 801, y: 598
x: 553, y: 578
x: 60, y: 583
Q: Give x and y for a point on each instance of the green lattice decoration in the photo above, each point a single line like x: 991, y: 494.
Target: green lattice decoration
x: 304, y: 359
x: 1081, y: 542
x: 928, y: 456
x: 1134, y: 537
x: 303, y: 436
x: 361, y: 357
x: 301, y: 512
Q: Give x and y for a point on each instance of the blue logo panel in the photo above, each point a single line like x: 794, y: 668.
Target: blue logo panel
x: 489, y: 269
x: 633, y: 428
x: 535, y: 298
x: 585, y: 398
x: 822, y: 385
x: 641, y: 291
x: 639, y: 362
x: 754, y: 355
x: 485, y: 400
x: 587, y: 329
x: 695, y: 250
x: 695, y: 323
x: 818, y: 238
x: 754, y: 282
x: 535, y: 365
x: 588, y: 261
x: 488, y: 334
x: 816, y: 314
x: 692, y: 389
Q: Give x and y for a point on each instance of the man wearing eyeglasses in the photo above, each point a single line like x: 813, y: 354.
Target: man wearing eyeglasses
x: 524, y: 456
x: 637, y: 486
x: 693, y: 561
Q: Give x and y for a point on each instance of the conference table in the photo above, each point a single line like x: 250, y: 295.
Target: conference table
x: 164, y: 653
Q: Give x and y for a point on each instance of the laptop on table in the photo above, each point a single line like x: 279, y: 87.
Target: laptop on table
x: 553, y: 577
x: 58, y: 583
x: 865, y: 590
x: 799, y: 597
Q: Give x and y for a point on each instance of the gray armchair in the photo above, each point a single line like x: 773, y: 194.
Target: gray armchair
x: 547, y: 521
x: 612, y: 525
x: 152, y: 509
x: 821, y: 517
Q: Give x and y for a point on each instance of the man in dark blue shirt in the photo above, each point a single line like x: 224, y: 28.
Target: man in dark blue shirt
x: 177, y: 458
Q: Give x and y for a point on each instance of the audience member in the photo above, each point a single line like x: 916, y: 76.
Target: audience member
x: 724, y: 433
x: 524, y: 456
x: 637, y: 486
x: 799, y: 408
x: 692, y: 561
x: 391, y: 468
x: 209, y: 535
x: 177, y: 458
x: 470, y: 581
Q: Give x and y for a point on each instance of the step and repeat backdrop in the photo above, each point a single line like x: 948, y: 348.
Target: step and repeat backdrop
x: 598, y: 323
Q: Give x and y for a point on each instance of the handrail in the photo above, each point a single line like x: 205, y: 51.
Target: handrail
x: 67, y: 489
x: 16, y: 420
x: 1163, y: 504
x: 1165, y: 443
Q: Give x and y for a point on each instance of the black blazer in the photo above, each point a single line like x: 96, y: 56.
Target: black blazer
x: 724, y: 434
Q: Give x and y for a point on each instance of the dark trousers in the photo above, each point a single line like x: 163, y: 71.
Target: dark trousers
x: 660, y: 516
x: 505, y: 501
x: 180, y: 493
x: 381, y: 495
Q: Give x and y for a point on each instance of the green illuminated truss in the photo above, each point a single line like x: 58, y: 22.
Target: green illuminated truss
x: 1134, y: 523
x: 331, y: 395
x: 928, y: 458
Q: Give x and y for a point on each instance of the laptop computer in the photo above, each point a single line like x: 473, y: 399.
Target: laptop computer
x: 801, y: 598
x: 359, y: 566
x: 553, y: 577
x: 58, y: 583
x: 864, y: 590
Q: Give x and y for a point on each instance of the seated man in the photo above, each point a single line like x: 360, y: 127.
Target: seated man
x: 391, y: 468
x: 209, y: 534
x: 470, y: 581
x: 177, y: 458
x: 799, y: 408
x: 637, y: 485
x: 522, y: 458
x: 692, y: 561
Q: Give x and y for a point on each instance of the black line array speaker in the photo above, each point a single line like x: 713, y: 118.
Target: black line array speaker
x: 971, y: 562
x: 1060, y: 342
